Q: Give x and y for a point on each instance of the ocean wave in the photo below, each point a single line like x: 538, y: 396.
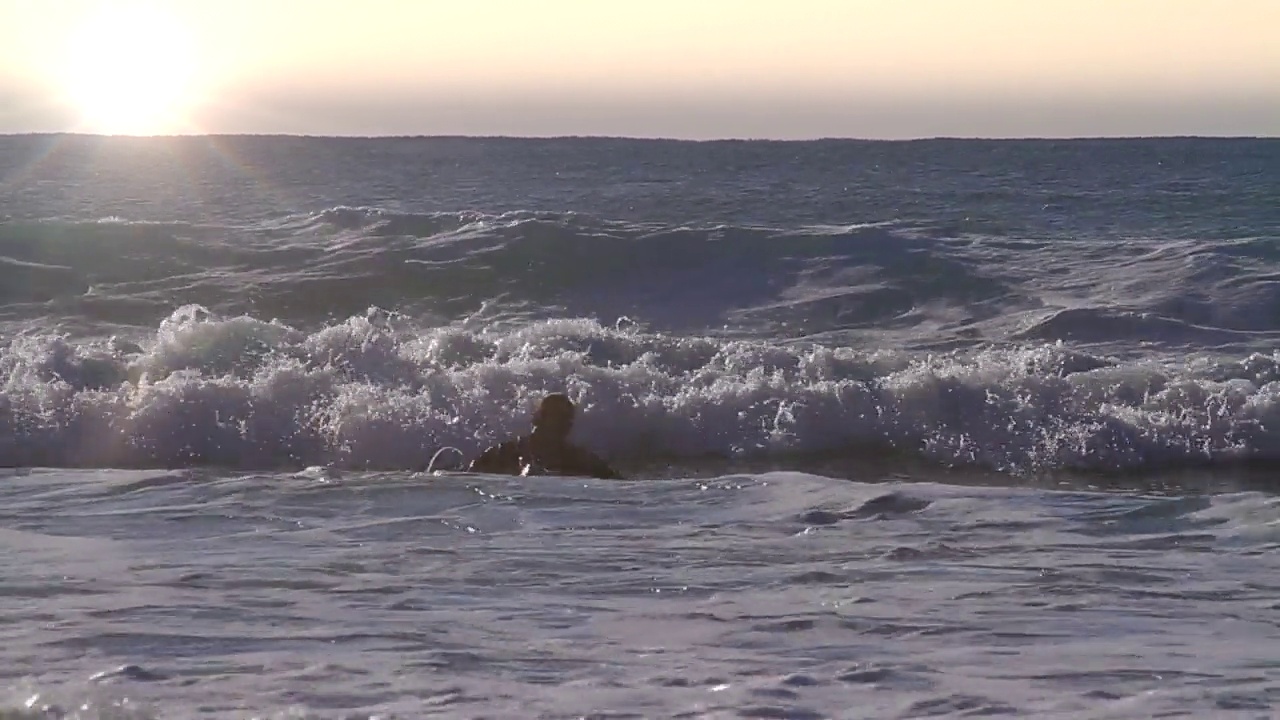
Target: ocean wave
x: 1094, y: 325
x: 375, y: 391
x: 896, y: 285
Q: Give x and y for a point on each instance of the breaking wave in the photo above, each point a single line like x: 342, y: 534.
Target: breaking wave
x: 377, y: 391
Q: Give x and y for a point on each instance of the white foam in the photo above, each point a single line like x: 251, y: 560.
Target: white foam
x: 374, y: 391
x: 328, y: 594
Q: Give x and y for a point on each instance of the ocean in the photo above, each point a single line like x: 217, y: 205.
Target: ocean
x: 943, y: 428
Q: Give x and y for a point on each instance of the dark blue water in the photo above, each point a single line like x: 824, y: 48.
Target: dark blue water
x: 914, y: 429
x: 1011, y: 305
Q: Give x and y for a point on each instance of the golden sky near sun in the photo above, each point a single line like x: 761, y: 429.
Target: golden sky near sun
x: 188, y: 64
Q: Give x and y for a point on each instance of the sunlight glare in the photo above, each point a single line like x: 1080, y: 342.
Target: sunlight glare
x: 129, y: 71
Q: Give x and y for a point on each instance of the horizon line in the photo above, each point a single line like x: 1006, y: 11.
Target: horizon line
x: 640, y: 138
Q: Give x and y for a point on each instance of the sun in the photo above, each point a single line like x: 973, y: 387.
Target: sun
x: 129, y: 71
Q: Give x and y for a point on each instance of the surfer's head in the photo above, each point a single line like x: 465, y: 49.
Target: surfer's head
x: 554, y: 415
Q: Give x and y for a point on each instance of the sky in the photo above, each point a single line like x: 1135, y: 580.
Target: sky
x: 697, y: 69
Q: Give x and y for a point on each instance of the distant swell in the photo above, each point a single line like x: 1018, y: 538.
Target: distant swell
x: 893, y: 284
x: 340, y: 261
x: 376, y: 391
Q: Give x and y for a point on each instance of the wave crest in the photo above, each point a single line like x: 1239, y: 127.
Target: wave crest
x: 374, y: 391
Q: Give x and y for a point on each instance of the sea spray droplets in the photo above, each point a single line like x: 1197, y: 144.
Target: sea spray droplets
x: 372, y: 392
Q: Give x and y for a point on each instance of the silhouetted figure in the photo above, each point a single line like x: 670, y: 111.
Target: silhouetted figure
x: 547, y: 449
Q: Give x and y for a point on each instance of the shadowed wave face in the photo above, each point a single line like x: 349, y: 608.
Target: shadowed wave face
x: 282, y: 302
x: 344, y: 260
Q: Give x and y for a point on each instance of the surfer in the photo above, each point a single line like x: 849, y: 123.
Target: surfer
x: 547, y: 449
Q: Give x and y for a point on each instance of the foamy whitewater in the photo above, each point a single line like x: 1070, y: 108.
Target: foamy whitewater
x: 927, y: 429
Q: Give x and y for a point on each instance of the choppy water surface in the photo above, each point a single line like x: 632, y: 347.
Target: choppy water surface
x: 773, y: 595
x: 947, y: 428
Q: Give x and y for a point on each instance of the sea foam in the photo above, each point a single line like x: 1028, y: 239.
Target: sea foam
x: 377, y: 391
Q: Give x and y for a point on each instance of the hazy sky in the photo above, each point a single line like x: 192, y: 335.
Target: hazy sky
x: 672, y: 68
